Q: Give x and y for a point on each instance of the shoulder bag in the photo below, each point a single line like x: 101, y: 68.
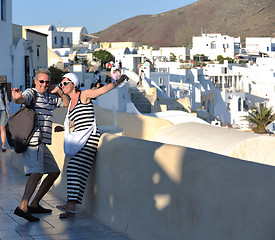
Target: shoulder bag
x: 20, y: 127
x: 75, y: 141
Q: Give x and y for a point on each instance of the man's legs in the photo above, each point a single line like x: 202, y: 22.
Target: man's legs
x: 36, y: 161
x: 44, y: 188
x: 22, y: 209
x: 29, y: 190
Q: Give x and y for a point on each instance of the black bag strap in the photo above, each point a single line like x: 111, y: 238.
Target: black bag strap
x: 32, y: 105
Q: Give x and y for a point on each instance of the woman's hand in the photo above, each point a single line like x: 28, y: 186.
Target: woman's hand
x: 122, y: 79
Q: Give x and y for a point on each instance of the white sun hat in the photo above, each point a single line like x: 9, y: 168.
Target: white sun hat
x: 72, y: 77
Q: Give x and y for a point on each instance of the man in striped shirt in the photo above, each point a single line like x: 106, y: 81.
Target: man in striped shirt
x: 38, y: 159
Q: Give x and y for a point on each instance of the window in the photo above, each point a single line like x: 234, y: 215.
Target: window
x: 68, y: 40
x: 239, y: 104
x: 228, y: 106
x: 161, y: 81
x: 55, y: 40
x: 245, y: 106
x: 62, y: 41
x: 163, y: 70
x: 38, y: 51
x: 267, y: 49
x: 3, y: 10
x: 213, y: 45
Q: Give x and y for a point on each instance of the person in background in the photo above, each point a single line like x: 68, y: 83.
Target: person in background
x: 141, y: 77
x: 98, y: 84
x: 120, y: 66
x: 114, y: 75
x: 82, y: 87
x: 116, y: 65
x: 4, y: 114
x: 82, y: 115
x: 38, y: 159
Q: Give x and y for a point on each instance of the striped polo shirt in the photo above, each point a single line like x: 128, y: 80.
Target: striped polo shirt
x: 45, y: 105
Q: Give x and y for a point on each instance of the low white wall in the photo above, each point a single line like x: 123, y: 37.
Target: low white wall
x: 226, y: 141
x: 150, y: 190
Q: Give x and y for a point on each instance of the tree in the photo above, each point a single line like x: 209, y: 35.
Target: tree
x: 221, y: 59
x: 103, y: 56
x: 260, y: 118
x: 56, y: 74
x: 173, y: 57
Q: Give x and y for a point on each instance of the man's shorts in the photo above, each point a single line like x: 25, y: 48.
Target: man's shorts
x: 3, y: 118
x: 39, y: 159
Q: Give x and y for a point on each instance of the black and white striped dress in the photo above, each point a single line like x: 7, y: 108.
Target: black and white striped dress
x: 78, y: 168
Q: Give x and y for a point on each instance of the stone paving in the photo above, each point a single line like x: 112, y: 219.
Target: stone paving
x: 50, y: 227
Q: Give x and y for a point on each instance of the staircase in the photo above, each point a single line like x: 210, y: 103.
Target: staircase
x: 141, y: 99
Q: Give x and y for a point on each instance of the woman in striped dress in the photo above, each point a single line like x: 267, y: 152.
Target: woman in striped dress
x: 81, y: 115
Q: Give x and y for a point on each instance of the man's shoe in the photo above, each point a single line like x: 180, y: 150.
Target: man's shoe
x: 39, y: 209
x: 27, y: 215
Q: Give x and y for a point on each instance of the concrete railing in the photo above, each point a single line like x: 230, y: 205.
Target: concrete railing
x: 158, y: 191
x: 150, y: 190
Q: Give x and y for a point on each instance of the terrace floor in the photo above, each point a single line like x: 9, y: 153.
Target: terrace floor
x: 50, y: 227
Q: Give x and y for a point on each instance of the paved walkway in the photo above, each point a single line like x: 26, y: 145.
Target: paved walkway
x: 50, y: 227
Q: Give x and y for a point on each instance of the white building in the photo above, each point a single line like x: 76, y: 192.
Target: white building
x: 239, y: 88
x: 56, y: 39
x: 36, y: 55
x: 6, y: 56
x: 15, y: 67
x: 259, y: 79
x: 79, y: 35
x: 257, y: 45
x: 212, y: 45
x: 181, y: 53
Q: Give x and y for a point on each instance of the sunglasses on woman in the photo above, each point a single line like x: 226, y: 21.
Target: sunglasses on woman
x: 64, y: 83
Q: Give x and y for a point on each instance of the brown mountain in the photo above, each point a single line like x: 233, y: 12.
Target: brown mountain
x: 244, y: 18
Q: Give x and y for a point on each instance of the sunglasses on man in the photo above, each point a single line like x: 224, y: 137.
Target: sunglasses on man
x: 42, y: 81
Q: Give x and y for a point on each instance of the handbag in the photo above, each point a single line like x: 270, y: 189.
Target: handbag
x: 75, y: 141
x: 20, y: 127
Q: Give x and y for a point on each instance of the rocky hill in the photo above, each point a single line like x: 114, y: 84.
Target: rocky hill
x: 244, y: 18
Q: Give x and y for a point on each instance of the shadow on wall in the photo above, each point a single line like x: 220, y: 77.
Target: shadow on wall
x: 150, y: 190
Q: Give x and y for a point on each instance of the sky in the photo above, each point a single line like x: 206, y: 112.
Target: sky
x: 95, y: 15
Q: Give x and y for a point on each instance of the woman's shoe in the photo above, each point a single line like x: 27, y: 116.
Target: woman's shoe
x: 66, y: 215
x: 4, y: 149
x: 66, y: 208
